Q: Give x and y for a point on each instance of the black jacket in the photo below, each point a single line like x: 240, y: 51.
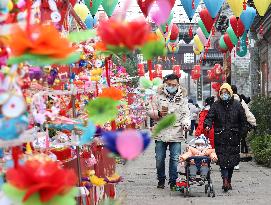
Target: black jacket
x: 229, y: 121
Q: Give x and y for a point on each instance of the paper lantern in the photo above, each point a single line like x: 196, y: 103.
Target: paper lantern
x: 203, y: 28
x: 202, y: 37
x: 144, y: 6
x: 222, y: 43
x: 262, y: 6
x: 207, y: 19
x: 241, y: 51
x: 213, y: 6
x: 228, y: 42
x: 237, y: 26
x: 196, y: 72
x: 218, y: 69
x: 174, y: 33
x: 140, y: 69
x: 109, y: 6
x: 190, y: 6
x: 236, y: 6
x: 247, y: 17
x: 90, y: 22
x: 198, y: 43
x: 82, y: 11
x: 232, y: 36
x: 177, y: 70
x: 93, y: 5
x: 160, y: 11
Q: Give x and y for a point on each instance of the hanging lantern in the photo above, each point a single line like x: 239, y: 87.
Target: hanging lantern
x: 158, y: 69
x: 140, y: 69
x: 196, y: 72
x: 177, y: 70
x: 211, y: 74
x: 217, y: 69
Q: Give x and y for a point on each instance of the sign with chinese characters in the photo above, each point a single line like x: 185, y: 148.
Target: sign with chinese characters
x: 199, y: 89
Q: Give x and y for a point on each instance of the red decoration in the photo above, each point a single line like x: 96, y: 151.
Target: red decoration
x: 177, y: 70
x: 207, y: 19
x: 190, y: 32
x: 218, y: 70
x: 228, y: 42
x: 237, y: 26
x: 195, y: 73
x: 140, y: 69
x: 158, y: 70
x: 145, y: 5
x: 244, y: 5
x: 46, y: 178
x: 211, y: 74
x: 174, y: 32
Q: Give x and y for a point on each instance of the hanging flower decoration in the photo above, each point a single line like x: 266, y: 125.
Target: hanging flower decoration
x: 112, y: 93
x: 40, y: 182
x: 102, y: 110
x: 43, y: 45
x: 128, y: 144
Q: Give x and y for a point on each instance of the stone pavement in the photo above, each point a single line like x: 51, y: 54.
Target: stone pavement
x: 251, y: 185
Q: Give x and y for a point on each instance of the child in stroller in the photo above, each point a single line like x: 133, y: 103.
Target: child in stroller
x: 197, y: 160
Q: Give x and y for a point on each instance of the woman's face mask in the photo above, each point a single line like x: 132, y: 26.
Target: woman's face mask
x: 225, y: 96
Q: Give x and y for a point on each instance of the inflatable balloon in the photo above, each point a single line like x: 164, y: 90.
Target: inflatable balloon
x: 189, y: 7
x: 93, y: 5
x: 242, y: 50
x: 109, y: 6
x: 247, y: 17
x: 236, y: 6
x: 207, y: 19
x: 91, y: 22
x: 213, y: 6
x: 198, y: 43
x: 237, y: 26
x: 204, y: 30
x: 232, y: 36
x: 202, y: 37
x: 262, y: 6
x: 174, y: 33
x: 196, y: 51
x: 144, y: 6
x: 165, y: 27
x: 159, y: 12
x: 82, y: 11
x: 228, y: 42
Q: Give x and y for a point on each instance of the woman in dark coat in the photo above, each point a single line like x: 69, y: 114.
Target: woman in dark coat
x: 229, y: 121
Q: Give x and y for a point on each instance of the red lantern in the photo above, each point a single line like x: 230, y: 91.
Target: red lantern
x: 216, y: 86
x: 174, y: 32
x: 217, y: 69
x: 158, y: 70
x: 177, y: 70
x: 195, y: 73
x: 211, y: 74
x: 140, y: 69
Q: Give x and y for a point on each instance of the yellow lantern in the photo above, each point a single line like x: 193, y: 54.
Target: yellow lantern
x: 82, y: 11
x: 262, y: 6
x: 236, y: 7
x: 10, y: 5
x: 198, y: 43
x: 196, y: 51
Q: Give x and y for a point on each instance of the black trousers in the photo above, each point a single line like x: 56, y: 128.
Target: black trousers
x: 226, y: 172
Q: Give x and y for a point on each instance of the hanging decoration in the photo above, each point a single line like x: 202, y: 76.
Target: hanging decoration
x: 90, y: 22
x: 196, y: 72
x: 190, y: 7
x: 241, y: 51
x: 262, y: 6
x: 93, y: 6
x: 247, y: 17
x: 237, y: 26
x: 213, y: 6
x: 177, y: 70
x: 109, y: 6
x: 236, y: 7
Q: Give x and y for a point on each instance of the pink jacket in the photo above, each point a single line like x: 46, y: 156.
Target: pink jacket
x: 192, y: 152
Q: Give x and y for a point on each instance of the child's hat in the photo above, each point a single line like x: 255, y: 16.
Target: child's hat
x: 201, y: 140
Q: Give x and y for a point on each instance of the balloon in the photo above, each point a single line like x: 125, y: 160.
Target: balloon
x: 236, y: 6
x: 90, y: 22
x: 93, y: 5
x: 232, y: 36
x: 159, y: 33
x: 198, y: 43
x: 196, y: 51
x: 174, y: 33
x: 164, y: 26
x: 109, y: 6
x: 82, y: 11
x: 173, y: 48
x: 237, y: 26
x: 207, y: 19
x: 213, y: 6
x: 129, y: 144
x: 201, y: 36
x: 144, y: 6
x: 228, y: 42
x: 262, y: 6
x: 203, y: 28
x: 160, y: 11
x: 242, y: 50
x: 188, y: 7
x: 247, y: 17
x: 222, y: 43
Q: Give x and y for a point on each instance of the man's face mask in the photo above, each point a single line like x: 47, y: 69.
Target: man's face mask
x: 171, y: 89
x: 225, y: 96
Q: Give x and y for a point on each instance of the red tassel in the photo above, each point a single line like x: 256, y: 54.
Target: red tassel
x: 150, y: 69
x: 16, y: 152
x: 124, y: 58
x: 166, y: 28
x: 245, y: 5
x: 107, y: 72
x: 261, y: 29
x: 113, y: 125
x: 213, y: 31
x: 90, y: 3
x: 193, y: 4
x: 190, y: 31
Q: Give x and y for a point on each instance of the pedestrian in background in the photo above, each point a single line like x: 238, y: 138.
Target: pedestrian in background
x: 229, y: 120
x: 193, y: 115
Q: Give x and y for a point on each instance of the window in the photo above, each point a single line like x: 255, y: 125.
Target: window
x: 189, y: 58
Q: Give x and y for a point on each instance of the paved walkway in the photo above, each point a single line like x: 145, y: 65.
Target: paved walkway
x: 251, y: 185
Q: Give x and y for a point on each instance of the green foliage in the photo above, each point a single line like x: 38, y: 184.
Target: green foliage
x: 261, y: 146
x: 261, y: 108
x: 260, y: 140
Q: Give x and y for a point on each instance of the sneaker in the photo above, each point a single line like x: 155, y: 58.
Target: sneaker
x: 161, y: 184
x: 237, y: 167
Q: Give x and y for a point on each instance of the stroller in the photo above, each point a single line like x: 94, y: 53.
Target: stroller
x: 183, y: 185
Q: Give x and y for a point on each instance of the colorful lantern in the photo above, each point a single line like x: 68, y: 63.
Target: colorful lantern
x: 177, y: 70
x: 213, y: 6
x: 237, y: 26
x: 207, y: 19
x: 140, y: 69
x: 236, y: 6
x: 247, y: 17
x: 262, y: 6
x: 109, y: 6
x: 93, y: 5
x: 190, y: 6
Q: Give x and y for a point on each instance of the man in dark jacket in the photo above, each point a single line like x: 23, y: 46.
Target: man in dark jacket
x: 229, y: 120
